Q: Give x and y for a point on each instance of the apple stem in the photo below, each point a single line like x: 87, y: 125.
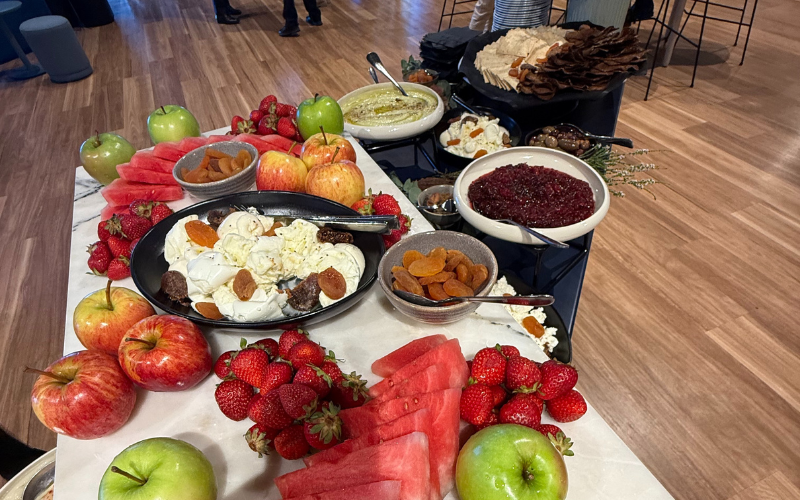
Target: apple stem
x: 143, y: 341
x: 527, y: 475
x: 316, y: 95
x: 97, y: 142
x: 163, y: 110
x: 61, y: 379
x: 130, y: 476
x: 109, y: 304
x: 333, y: 158
x: 324, y: 137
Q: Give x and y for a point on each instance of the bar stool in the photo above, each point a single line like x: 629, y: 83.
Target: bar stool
x: 54, y: 42
x: 30, y: 70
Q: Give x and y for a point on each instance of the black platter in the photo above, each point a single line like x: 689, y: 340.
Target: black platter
x: 460, y: 162
x: 148, y: 263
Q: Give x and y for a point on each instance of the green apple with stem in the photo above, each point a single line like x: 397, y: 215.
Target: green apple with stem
x: 171, y: 123
x: 101, y: 153
x: 159, y: 468
x: 510, y: 462
x: 319, y: 111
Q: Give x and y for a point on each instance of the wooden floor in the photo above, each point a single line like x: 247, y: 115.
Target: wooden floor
x: 686, y: 339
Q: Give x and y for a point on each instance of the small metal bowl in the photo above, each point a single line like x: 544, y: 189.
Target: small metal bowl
x: 432, y: 73
x: 242, y: 181
x: 440, y: 220
x: 40, y: 482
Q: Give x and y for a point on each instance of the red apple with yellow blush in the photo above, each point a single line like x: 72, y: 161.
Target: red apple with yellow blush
x: 320, y: 148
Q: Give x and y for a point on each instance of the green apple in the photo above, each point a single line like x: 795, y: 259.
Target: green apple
x: 171, y: 123
x: 319, y: 111
x: 510, y: 462
x: 101, y: 153
x: 159, y: 469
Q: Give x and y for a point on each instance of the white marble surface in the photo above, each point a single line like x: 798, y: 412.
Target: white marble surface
x: 603, y: 467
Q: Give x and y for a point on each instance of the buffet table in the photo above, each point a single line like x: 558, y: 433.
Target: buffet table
x: 603, y: 466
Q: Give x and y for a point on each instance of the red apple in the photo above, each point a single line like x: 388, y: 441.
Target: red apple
x: 279, y: 171
x: 341, y: 181
x: 102, y: 317
x: 84, y: 395
x: 165, y: 353
x: 320, y: 148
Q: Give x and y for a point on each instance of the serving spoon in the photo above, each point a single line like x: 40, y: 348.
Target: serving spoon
x: 448, y: 206
x: 550, y: 241
x: 530, y: 300
x: 375, y: 60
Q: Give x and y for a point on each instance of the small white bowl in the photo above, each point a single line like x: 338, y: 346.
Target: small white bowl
x: 236, y: 183
x: 550, y: 158
x: 393, y: 132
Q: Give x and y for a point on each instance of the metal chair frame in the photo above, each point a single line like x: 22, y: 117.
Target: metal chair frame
x: 453, y: 12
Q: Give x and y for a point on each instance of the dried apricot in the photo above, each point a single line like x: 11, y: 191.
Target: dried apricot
x: 467, y: 262
x: 332, y: 283
x: 456, y: 288
x: 426, y: 267
x: 517, y: 62
x: 410, y: 256
x: 208, y: 310
x: 479, y: 153
x: 397, y: 268
x: 397, y: 286
x: 437, y: 278
x: 271, y: 231
x: 533, y: 326
x: 454, y: 258
x: 453, y: 142
x: 479, y: 275
x: 408, y: 282
x: 437, y: 292
x: 244, y: 286
x: 475, y: 133
x: 464, y: 274
x: 201, y: 233
x: 439, y: 253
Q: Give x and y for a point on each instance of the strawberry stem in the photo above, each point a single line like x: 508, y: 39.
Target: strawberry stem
x: 130, y: 476
x: 324, y: 137
x: 109, y: 304
x: 143, y: 341
x: 62, y: 379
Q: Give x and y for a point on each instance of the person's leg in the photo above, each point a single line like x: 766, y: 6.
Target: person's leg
x: 291, y: 28
x: 222, y: 14
x: 230, y: 10
x: 482, y: 16
x: 314, y: 15
x: 15, y: 455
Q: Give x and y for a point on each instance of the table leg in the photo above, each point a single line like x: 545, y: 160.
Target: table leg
x: 30, y: 70
x: 674, y: 23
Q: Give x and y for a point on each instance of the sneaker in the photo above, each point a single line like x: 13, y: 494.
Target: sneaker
x: 314, y: 22
x: 287, y: 31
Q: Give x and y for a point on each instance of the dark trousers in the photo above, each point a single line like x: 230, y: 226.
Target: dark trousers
x: 290, y: 12
x: 14, y: 456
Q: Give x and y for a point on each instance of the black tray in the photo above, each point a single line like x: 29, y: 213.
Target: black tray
x: 148, y: 263
x: 461, y: 162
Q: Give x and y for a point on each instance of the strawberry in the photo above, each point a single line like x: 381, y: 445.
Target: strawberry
x: 141, y: 208
x: 286, y: 127
x: 276, y: 374
x: 285, y: 110
x: 323, y: 429
x: 299, y: 137
x: 222, y: 367
x: 392, y: 238
x: 256, y: 115
x: 314, y: 377
x: 364, y: 206
x: 269, y: 345
x: 489, y: 366
x: 134, y: 226
x: 476, y: 404
x: 99, y: 258
x: 250, y: 365
x: 385, y: 204
x: 291, y: 443
x: 288, y: 339
x: 160, y: 212
x: 267, y: 103
x: 260, y: 438
x: 233, y: 397
x: 567, y: 407
x: 509, y: 350
x: 350, y: 392
x: 499, y: 395
x: 493, y: 419
x: 306, y: 352
x: 556, y: 436
x: 332, y: 370
x: 108, y: 228
x: 266, y: 409
x: 557, y: 378
x: 236, y: 121
x: 267, y: 125
x: 522, y: 374
x: 119, y: 269
x: 522, y: 409
x: 295, y: 397
x: 119, y: 246
x: 405, y: 223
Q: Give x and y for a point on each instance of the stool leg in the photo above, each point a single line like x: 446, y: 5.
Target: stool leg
x: 30, y: 70
x: 658, y: 46
x: 699, y: 43
x: 747, y: 38
x: 741, y: 21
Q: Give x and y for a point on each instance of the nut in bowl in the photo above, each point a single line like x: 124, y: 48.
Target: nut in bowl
x: 238, y: 180
x: 399, y: 262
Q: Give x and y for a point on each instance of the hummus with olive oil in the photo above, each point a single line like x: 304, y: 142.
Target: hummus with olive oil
x: 389, y: 107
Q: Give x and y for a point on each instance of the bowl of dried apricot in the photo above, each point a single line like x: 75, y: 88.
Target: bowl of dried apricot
x: 437, y: 265
x: 217, y: 169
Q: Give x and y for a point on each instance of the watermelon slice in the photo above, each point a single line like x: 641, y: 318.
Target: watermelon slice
x: 283, y: 144
x: 257, y: 142
x: 148, y: 161
x: 122, y: 192
x: 447, y: 354
x: 379, y: 490
x: 397, y: 359
x: 109, y: 210
x: 443, y: 407
x: 431, y: 379
x: 191, y: 143
x: 168, y: 151
x: 211, y: 139
x: 404, y: 459
x: 133, y: 174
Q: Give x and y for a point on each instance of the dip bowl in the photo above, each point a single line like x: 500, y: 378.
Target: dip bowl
x: 392, y: 132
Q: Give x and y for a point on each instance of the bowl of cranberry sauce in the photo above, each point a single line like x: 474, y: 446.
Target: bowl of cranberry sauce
x: 548, y: 190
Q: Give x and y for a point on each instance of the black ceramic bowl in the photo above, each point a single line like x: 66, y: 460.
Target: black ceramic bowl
x: 148, y: 263
x: 460, y: 162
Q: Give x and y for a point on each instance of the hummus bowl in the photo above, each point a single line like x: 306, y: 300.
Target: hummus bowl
x: 384, y: 99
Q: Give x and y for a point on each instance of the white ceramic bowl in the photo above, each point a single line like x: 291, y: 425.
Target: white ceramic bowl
x: 550, y: 158
x: 393, y: 132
